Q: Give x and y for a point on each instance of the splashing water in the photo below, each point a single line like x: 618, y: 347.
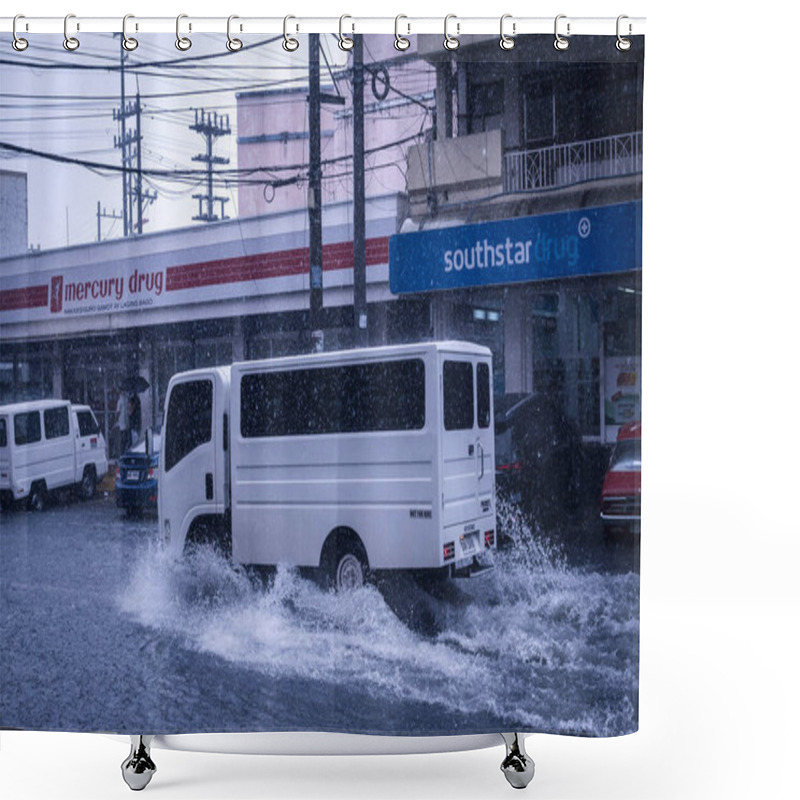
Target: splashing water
x: 534, y: 645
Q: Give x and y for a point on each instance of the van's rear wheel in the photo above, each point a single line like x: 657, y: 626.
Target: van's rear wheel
x: 349, y: 573
x: 344, y: 564
x: 37, y: 497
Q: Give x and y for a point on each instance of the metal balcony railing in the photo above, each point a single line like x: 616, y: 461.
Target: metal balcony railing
x: 576, y: 162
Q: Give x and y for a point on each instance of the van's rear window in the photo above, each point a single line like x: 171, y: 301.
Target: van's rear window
x: 354, y: 398
x: 3, y: 433
x: 459, y: 396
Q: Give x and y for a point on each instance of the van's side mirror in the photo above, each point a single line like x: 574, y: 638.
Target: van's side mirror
x: 148, y: 442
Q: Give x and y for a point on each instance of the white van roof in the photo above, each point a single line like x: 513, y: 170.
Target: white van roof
x: 32, y: 405
x: 385, y: 351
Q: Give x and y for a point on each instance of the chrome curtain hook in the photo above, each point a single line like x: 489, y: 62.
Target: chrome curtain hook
x: 623, y: 44
x: 232, y: 44
x: 561, y: 43
x: 451, y: 42
x: 345, y: 42
x: 70, y: 42
x: 19, y: 44
x: 507, y: 42
x: 289, y: 43
x: 183, y: 43
x: 400, y: 42
x: 128, y: 42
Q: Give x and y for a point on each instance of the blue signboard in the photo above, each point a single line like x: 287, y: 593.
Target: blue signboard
x: 589, y: 241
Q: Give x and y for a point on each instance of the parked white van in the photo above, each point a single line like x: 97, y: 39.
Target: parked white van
x: 371, y: 459
x: 47, y: 445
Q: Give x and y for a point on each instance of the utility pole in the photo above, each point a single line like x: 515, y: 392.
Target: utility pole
x: 211, y: 126
x: 104, y: 215
x: 138, y: 164
x: 130, y: 144
x: 314, y: 193
x: 121, y: 142
x: 359, y: 198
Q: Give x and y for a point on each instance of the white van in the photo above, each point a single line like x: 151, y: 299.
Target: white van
x: 371, y: 459
x: 47, y: 445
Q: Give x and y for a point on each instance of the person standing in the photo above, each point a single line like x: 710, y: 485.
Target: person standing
x: 135, y: 418
x: 122, y: 422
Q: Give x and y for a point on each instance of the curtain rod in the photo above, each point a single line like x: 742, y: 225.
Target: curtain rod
x: 404, y: 25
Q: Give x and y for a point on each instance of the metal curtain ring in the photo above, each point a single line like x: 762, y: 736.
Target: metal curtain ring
x: 232, y: 44
x: 70, y: 42
x: 561, y: 43
x: 623, y: 44
x: 345, y: 43
x: 289, y: 44
x: 19, y: 44
x: 451, y: 42
x: 400, y: 42
x: 183, y: 43
x: 128, y: 42
x: 507, y: 42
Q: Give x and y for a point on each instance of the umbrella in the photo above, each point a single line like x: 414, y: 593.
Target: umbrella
x: 135, y: 384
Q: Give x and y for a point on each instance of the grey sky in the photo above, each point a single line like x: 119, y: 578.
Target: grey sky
x: 69, y: 113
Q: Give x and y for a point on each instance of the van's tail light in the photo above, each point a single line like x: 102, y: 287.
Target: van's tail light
x: 488, y: 537
x: 449, y: 550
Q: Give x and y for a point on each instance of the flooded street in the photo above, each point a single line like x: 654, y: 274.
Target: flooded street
x: 100, y: 630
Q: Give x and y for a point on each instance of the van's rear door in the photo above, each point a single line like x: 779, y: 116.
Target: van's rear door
x: 468, y: 450
x: 460, y: 477
x: 192, y: 480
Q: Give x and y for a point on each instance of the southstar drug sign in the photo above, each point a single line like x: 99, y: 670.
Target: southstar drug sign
x: 589, y: 241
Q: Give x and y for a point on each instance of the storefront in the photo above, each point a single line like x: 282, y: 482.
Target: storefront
x: 557, y: 298
x: 89, y: 322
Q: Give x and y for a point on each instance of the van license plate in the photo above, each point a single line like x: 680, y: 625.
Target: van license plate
x: 469, y: 543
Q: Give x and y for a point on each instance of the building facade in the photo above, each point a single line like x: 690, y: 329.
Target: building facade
x: 497, y: 187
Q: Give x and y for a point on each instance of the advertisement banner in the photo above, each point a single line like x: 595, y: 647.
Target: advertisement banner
x: 623, y: 393
x: 588, y: 241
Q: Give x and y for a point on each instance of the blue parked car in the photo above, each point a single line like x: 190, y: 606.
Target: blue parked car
x: 136, y: 487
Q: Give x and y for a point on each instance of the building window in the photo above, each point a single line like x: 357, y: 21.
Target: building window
x: 485, y: 104
x: 538, y: 114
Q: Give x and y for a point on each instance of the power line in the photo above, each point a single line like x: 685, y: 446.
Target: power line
x: 172, y: 62
x: 194, y: 173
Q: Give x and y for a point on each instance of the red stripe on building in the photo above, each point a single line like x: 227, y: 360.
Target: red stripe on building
x: 28, y: 297
x: 271, y: 265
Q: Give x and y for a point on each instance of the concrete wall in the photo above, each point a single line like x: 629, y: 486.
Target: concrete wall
x: 273, y: 131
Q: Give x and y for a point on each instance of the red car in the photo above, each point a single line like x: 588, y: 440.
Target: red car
x: 621, y: 504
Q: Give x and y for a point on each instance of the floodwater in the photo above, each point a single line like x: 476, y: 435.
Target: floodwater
x: 101, y: 631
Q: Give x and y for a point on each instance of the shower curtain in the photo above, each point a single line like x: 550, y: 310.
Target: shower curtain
x: 166, y: 210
